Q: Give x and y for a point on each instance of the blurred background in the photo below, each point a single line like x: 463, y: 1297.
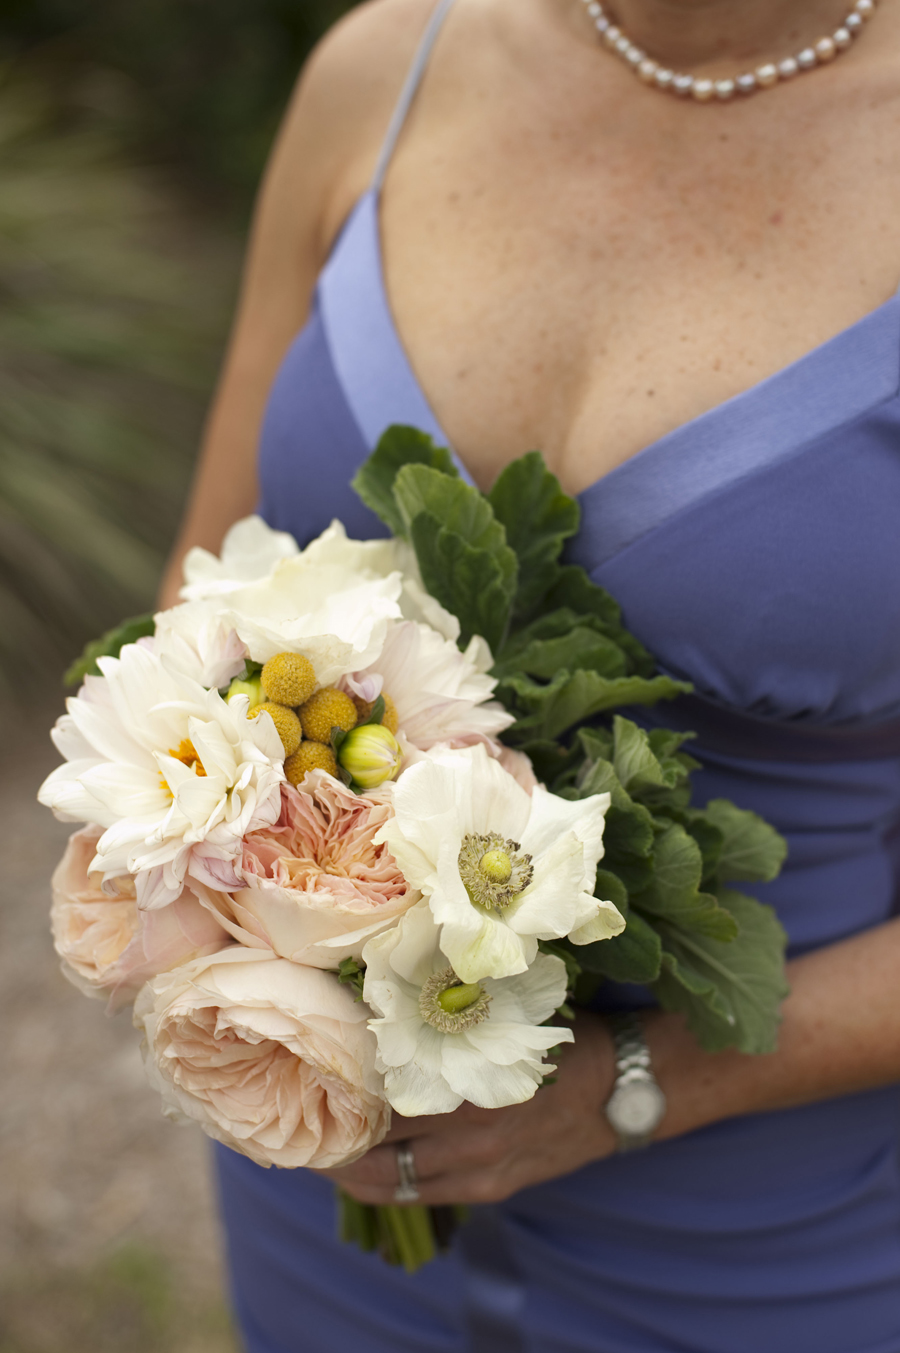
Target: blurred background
x: 132, y: 136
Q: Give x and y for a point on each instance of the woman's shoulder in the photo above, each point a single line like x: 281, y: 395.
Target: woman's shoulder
x: 347, y: 91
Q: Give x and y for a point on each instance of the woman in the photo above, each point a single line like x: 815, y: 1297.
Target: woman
x: 688, y: 304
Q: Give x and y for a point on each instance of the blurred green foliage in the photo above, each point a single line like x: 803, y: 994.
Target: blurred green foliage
x: 132, y: 133
x: 201, y: 82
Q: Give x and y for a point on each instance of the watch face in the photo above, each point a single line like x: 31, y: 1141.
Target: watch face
x: 637, y: 1108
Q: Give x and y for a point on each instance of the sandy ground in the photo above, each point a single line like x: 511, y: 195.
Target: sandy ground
x: 103, y: 1203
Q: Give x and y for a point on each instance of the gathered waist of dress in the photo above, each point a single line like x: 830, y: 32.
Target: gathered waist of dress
x: 726, y: 731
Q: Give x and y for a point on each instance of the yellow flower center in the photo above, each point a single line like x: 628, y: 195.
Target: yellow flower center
x: 187, y: 755
x: 496, y: 866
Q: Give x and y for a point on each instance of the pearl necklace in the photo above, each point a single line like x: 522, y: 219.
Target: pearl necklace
x: 764, y: 77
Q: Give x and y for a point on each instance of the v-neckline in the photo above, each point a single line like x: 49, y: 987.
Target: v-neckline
x: 828, y: 386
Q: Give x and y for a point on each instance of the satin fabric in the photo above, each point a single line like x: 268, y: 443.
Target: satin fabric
x: 756, y: 552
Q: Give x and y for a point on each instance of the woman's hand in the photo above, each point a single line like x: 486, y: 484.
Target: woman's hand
x: 485, y: 1155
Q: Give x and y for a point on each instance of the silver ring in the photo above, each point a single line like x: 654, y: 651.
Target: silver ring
x: 407, y: 1190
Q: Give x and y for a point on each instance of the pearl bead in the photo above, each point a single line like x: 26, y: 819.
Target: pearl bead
x: 594, y: 9
x: 825, y: 49
x: 787, y: 68
x: 703, y: 90
x: 766, y: 75
x: 746, y: 83
x: 612, y: 35
x: 865, y: 8
x: 842, y: 38
x: 853, y: 22
x: 647, y: 71
x: 724, y: 89
x: 807, y: 58
x: 622, y: 44
x: 602, y: 25
x: 683, y: 84
x: 634, y: 56
x: 663, y: 78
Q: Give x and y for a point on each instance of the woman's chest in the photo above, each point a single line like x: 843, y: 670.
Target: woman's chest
x: 588, y: 298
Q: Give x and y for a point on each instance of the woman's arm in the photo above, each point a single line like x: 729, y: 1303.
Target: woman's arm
x: 841, y: 1033
x: 321, y: 163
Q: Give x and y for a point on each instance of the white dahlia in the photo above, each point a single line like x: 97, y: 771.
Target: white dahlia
x: 501, y: 868
x: 176, y: 776
x: 441, y: 1041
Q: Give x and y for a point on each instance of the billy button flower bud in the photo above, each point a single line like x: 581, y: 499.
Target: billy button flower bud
x: 287, y: 725
x: 288, y: 679
x: 370, y: 754
x: 252, y: 688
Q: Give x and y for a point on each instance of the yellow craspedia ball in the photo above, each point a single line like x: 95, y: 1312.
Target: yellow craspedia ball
x: 327, y: 709
x: 288, y: 679
x: 390, y: 719
x: 309, y: 756
x: 287, y: 725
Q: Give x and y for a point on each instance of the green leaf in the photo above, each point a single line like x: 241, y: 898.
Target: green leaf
x: 472, y: 584
x: 538, y: 517
x: 674, y: 893
x: 573, y: 588
x: 399, y: 446
x: 457, y: 506
x: 549, y: 710
x: 751, y: 849
x: 731, y: 993
x: 628, y: 832
x: 108, y: 646
x: 633, y: 956
x: 578, y: 648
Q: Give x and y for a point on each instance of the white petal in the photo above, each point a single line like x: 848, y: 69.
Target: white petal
x: 606, y: 922
x: 548, y: 908
x: 419, y: 1086
x: 484, y: 1083
x: 532, y: 996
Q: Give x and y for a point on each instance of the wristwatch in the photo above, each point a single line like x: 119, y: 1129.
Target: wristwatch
x: 636, y: 1106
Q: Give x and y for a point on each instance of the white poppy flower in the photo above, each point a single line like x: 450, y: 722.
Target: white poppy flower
x: 175, y: 775
x: 501, y: 868
x: 441, y: 695
x: 441, y: 1042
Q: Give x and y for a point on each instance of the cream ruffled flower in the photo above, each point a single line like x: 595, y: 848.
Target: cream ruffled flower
x: 107, y: 946
x: 251, y: 551
x: 176, y: 776
x: 441, y: 1042
x: 330, y: 602
x: 269, y: 1057
x: 501, y: 868
x: 316, y: 886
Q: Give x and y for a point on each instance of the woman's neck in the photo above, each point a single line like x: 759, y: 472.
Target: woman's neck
x: 725, y: 34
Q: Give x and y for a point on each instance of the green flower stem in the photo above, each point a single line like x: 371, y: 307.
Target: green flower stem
x: 402, y: 1235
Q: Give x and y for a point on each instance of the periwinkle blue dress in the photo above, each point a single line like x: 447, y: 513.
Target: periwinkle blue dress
x: 756, y: 552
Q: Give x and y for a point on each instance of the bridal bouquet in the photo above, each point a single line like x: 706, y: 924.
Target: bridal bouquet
x: 345, y: 811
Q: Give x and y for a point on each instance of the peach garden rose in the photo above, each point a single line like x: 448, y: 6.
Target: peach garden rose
x: 271, y: 1058
x: 318, y: 887
x: 108, y: 947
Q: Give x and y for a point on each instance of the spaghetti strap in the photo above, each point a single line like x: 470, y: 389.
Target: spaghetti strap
x: 409, y: 91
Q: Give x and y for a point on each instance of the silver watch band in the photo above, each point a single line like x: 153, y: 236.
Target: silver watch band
x: 637, y: 1104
